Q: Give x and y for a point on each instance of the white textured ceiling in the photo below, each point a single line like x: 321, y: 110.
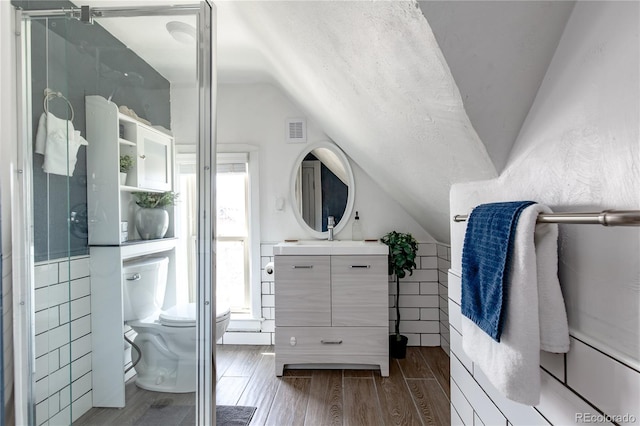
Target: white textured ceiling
x: 373, y: 75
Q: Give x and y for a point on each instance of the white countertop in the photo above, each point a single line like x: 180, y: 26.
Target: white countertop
x: 335, y: 247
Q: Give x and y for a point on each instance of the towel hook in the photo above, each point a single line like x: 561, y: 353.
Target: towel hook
x: 50, y: 95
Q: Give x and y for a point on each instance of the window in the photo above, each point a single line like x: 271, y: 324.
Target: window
x: 237, y: 232
x: 232, y: 231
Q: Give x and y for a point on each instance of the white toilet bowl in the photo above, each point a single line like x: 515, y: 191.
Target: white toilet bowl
x: 166, y: 339
x: 168, y: 345
x: 223, y: 315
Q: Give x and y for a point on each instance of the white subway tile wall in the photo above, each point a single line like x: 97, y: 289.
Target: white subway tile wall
x: 420, y: 300
x: 63, y: 340
x: 583, y: 386
x: 443, y: 262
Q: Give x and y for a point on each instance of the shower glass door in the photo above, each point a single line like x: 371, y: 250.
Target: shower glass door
x: 97, y: 87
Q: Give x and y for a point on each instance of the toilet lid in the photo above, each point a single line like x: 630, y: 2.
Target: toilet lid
x: 179, y: 316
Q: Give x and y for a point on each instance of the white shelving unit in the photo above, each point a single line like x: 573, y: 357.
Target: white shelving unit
x: 111, y: 134
x: 110, y: 203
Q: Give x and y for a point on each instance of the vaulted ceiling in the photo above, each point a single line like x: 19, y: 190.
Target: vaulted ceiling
x: 420, y: 94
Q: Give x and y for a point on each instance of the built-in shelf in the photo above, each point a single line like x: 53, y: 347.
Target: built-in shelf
x: 127, y: 188
x: 111, y: 135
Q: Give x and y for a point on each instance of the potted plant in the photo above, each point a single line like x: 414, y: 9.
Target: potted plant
x: 402, y: 259
x: 126, y: 163
x: 152, y: 219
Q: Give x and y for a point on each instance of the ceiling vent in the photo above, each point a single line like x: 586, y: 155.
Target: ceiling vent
x: 296, y: 130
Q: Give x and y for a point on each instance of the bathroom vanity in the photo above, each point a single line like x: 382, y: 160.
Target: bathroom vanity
x: 331, y: 305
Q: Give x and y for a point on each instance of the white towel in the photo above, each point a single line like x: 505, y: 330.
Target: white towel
x: 59, y: 142
x: 536, y: 318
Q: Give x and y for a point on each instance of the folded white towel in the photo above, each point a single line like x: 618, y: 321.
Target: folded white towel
x: 59, y: 142
x: 535, y: 314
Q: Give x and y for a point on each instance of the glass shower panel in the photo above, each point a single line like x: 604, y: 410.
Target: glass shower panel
x: 96, y: 92
x: 59, y: 236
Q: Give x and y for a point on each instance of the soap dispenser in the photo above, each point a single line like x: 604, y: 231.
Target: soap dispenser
x: 356, y: 229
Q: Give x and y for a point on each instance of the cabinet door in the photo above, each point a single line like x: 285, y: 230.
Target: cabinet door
x: 155, y: 156
x: 302, y: 291
x: 360, y: 291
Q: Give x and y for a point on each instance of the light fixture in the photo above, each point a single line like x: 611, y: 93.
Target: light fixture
x: 182, y: 32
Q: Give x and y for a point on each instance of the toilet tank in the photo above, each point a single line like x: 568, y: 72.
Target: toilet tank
x: 144, y: 283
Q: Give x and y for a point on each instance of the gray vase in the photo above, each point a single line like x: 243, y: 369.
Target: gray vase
x: 152, y: 223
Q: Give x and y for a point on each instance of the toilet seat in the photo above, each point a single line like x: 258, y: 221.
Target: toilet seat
x: 179, y: 316
x: 223, y: 311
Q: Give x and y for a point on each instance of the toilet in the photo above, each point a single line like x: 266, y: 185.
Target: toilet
x: 223, y: 315
x: 167, y: 339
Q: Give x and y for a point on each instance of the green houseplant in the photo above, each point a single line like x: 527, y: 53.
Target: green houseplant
x: 403, y: 249
x: 152, y: 219
x: 126, y: 163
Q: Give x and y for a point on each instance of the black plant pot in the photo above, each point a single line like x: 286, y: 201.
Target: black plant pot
x: 398, y: 348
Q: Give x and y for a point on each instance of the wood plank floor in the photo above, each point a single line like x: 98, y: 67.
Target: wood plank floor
x: 415, y: 393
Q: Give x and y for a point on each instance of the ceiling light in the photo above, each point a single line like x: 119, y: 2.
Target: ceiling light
x: 182, y: 32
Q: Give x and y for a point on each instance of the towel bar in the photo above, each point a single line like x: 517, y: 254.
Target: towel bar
x: 605, y: 218
x: 49, y: 95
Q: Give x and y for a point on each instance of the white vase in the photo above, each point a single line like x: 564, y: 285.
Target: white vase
x: 123, y: 178
x: 152, y: 223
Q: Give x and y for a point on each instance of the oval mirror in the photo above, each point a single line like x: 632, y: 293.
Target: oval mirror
x: 322, y: 186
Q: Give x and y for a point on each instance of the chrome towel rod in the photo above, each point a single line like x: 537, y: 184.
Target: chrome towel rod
x: 605, y: 218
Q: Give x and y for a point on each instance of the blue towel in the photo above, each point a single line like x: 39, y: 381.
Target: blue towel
x: 488, y: 243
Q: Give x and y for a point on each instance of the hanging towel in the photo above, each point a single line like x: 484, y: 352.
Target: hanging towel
x: 535, y: 319
x: 59, y: 142
x: 488, y: 243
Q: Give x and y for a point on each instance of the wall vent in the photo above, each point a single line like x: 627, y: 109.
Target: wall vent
x: 296, y: 130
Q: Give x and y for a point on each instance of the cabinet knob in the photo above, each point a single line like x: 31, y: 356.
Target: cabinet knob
x: 143, y: 156
x: 134, y: 277
x: 292, y: 341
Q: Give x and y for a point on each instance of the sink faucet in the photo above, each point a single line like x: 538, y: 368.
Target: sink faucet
x: 331, y: 222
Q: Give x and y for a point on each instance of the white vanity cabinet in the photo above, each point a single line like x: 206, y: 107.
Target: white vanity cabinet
x: 111, y: 134
x: 331, y: 310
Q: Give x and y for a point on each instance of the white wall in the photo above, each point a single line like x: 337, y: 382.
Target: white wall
x: 255, y: 114
x: 372, y: 75
x: 577, y: 151
x: 7, y: 166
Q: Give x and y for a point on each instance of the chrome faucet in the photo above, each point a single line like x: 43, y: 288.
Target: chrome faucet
x: 331, y: 222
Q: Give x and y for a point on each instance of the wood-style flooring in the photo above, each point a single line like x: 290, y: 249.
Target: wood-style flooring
x: 415, y: 393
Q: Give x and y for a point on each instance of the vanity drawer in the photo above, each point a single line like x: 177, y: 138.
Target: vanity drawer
x: 303, y: 290
x: 331, y: 344
x: 360, y: 291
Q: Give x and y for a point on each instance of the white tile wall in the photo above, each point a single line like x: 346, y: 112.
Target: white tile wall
x: 583, y: 386
x: 420, y: 300
x: 608, y: 384
x: 63, y: 340
x: 443, y: 262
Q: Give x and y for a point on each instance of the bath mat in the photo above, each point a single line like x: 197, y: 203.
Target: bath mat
x: 233, y: 415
